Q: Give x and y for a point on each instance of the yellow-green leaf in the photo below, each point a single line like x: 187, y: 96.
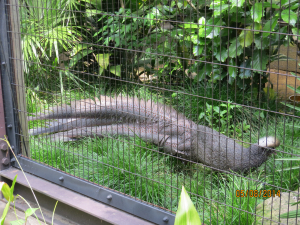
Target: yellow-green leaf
x: 5, y: 189
x: 246, y: 37
x: 29, y: 212
x: 4, y: 213
x: 101, y: 70
x: 103, y: 60
x: 186, y: 213
x: 116, y: 70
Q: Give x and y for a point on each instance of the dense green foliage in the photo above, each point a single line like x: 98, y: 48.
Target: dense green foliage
x: 180, y: 36
x: 237, y: 38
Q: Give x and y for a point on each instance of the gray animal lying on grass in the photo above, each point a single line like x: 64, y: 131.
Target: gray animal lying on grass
x: 156, y: 123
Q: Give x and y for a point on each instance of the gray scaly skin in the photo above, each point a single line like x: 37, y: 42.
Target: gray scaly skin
x: 163, y: 126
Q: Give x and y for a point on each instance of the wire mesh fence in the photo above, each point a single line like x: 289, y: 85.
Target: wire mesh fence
x: 144, y: 97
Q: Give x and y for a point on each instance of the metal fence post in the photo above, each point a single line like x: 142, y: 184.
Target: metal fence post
x: 6, y: 95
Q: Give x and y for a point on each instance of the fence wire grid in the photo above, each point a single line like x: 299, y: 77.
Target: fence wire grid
x: 144, y: 97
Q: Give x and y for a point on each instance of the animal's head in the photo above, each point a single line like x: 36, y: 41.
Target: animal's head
x: 259, y: 152
x: 268, y: 144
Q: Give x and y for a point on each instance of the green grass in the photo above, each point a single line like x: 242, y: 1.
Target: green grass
x: 136, y: 168
x: 139, y: 169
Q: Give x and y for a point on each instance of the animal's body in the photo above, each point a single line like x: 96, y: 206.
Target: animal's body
x: 156, y: 123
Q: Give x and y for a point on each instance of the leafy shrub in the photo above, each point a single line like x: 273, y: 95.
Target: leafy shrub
x: 237, y: 33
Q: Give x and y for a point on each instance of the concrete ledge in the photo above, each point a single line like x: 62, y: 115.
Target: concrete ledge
x: 72, y: 206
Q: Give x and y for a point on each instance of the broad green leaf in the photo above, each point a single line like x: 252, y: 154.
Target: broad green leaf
x: 115, y: 70
x: 194, y: 38
x: 103, y: 60
x: 235, y: 49
x: 5, y: 189
x: 17, y: 222
x: 197, y: 50
x: 259, y: 60
x: 211, y: 31
x: 237, y: 3
x: 218, y: 7
x: 257, y: 11
x: 262, y: 43
x: 201, y: 115
x: 29, y: 212
x: 287, y: 2
x: 186, y: 212
x: 244, y: 72
x: 221, y: 55
x: 101, y: 70
x: 232, y: 70
x: 181, y: 3
x: 294, y: 6
x: 246, y: 37
x: 269, y: 5
x: 289, y: 16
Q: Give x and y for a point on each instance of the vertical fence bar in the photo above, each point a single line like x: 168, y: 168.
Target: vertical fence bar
x: 4, y: 153
x: 6, y: 80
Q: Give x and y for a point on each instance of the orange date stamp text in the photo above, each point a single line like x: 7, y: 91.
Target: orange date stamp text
x: 257, y: 193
